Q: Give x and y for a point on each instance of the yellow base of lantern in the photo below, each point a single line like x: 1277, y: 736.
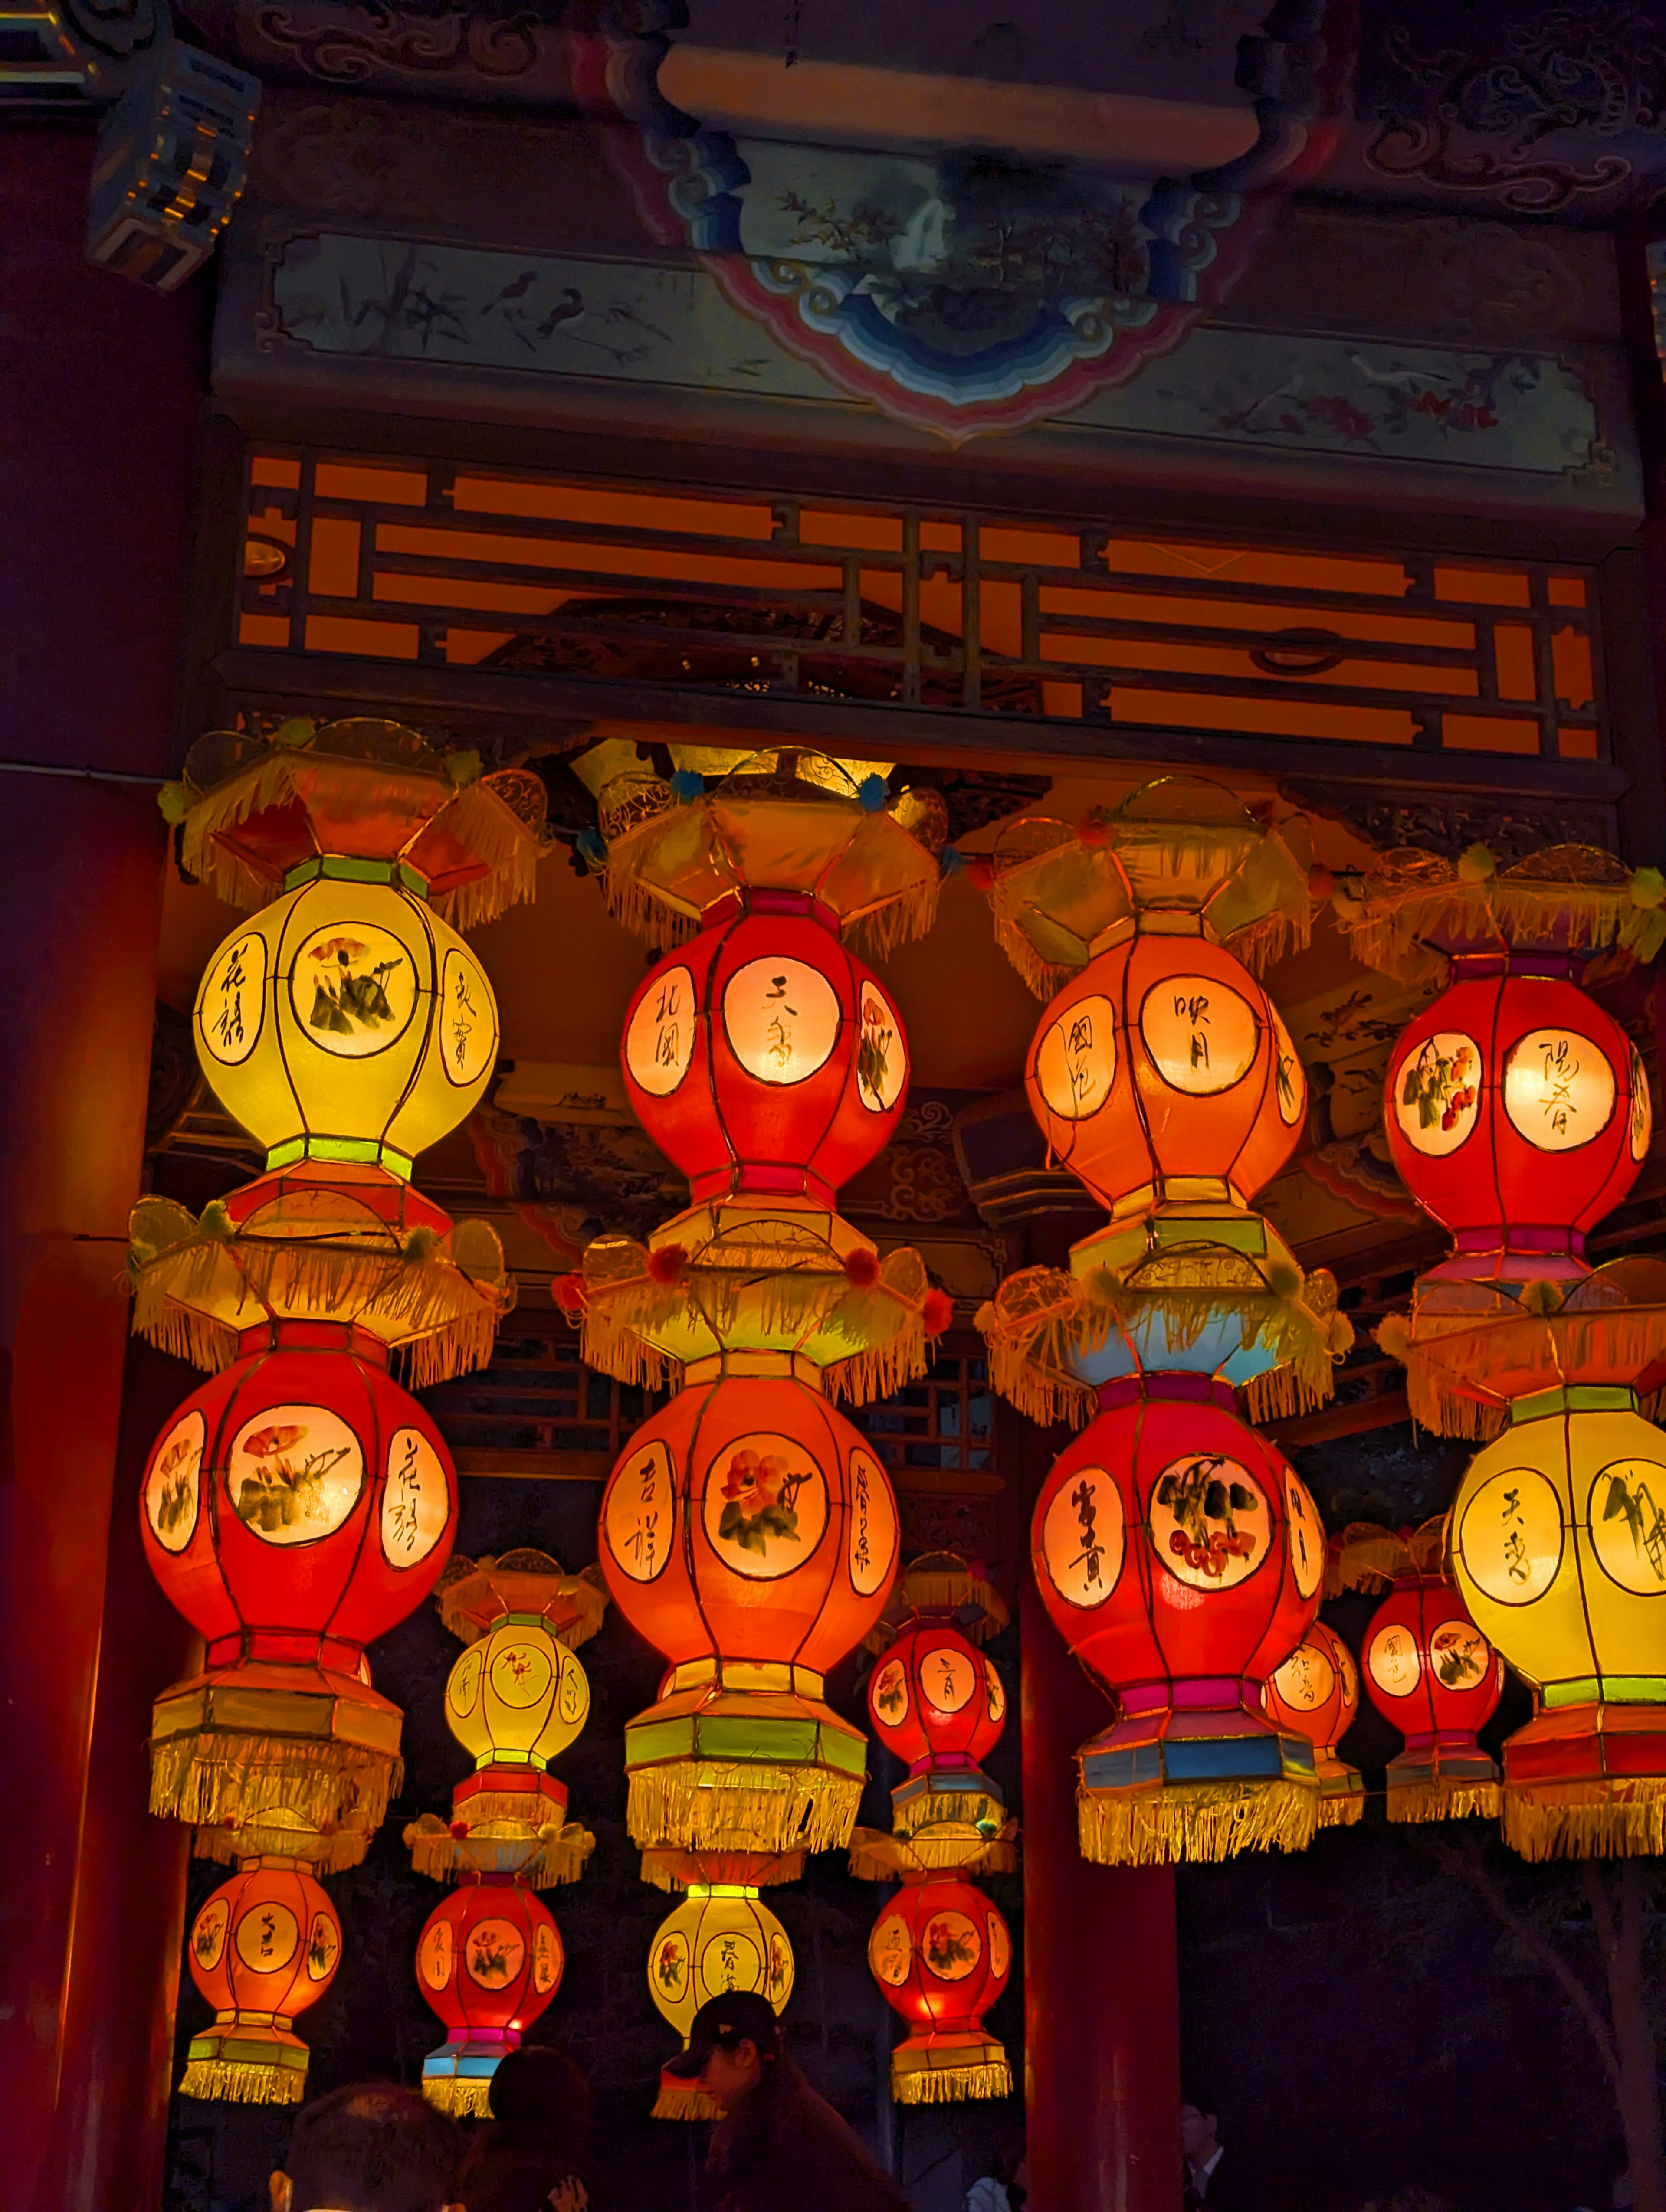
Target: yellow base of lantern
x: 1618, y: 1820
x: 234, y: 2082
x: 946, y: 2071
x: 228, y: 1748
x: 681, y: 2100
x: 462, y: 2096
x: 1444, y: 1801
x: 1342, y: 1812
x: 708, y: 1805
x: 1195, y: 1820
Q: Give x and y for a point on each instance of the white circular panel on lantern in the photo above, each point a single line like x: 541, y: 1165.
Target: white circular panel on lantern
x: 1436, y: 1093
x: 1076, y: 1059
x: 951, y: 1946
x: 659, y: 1043
x: 323, y: 1947
x: 208, y: 1935
x: 436, y: 1955
x: 415, y: 1499
x: 1461, y: 1655
x: 1289, y: 1077
x: 948, y: 1678
x: 882, y: 1062
x: 778, y: 1969
x: 1559, y: 1089
x: 782, y: 1018
x: 231, y: 1005
x: 994, y: 1693
x: 1305, y: 1679
x: 173, y: 1486
x: 1209, y: 1522
x: 296, y: 1473
x: 1203, y: 1036
x: 889, y: 1950
x: 546, y: 1959
x: 731, y: 1961
x: 1000, y: 1946
x: 765, y: 1505
x: 1082, y: 1538
x: 1643, y: 1111
x: 494, y: 1951
x: 353, y: 987
x: 521, y: 1670
x: 468, y: 1021
x: 668, y: 1977
x: 640, y: 1517
x: 890, y: 1693
x: 1393, y: 1661
x: 1510, y: 1535
x: 1626, y: 1511
x: 463, y: 1684
x: 1349, y: 1673
x: 267, y: 1937
x: 1307, y: 1536
x: 873, y: 1531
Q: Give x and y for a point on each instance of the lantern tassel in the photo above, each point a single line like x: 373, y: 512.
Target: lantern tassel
x: 1443, y: 1800
x: 237, y: 2081
x: 1341, y: 1811
x: 703, y: 1805
x: 944, y: 2085
x: 683, y: 2101
x: 222, y: 1779
x: 1198, y: 1820
x: 460, y: 2096
x: 1583, y: 1820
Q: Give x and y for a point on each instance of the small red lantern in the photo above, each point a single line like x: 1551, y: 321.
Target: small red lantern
x: 1429, y: 1671
x: 750, y: 1533
x: 1181, y: 1560
x: 1517, y: 1112
x: 763, y: 1057
x: 941, y: 1953
x: 263, y: 1947
x: 488, y: 1961
x: 938, y: 1703
x: 298, y: 1506
x: 1316, y: 1692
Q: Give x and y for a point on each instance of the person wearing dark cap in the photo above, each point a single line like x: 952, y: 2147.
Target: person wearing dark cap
x: 533, y: 2156
x: 778, y: 2147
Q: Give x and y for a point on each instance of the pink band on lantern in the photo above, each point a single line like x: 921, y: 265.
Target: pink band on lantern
x: 1472, y: 967
x: 1169, y: 1382
x: 312, y: 1336
x: 1195, y: 1693
x: 1523, y: 1236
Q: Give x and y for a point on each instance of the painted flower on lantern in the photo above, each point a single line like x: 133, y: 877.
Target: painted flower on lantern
x: 758, y: 1490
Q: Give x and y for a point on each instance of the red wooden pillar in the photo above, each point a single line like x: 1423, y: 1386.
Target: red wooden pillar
x: 100, y: 388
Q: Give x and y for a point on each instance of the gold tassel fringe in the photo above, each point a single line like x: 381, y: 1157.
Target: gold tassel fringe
x: 222, y: 1780
x: 1341, y: 1811
x: 460, y: 2096
x: 1401, y: 908
x: 1195, y: 1822
x: 703, y: 1805
x: 947, y: 2085
x: 683, y: 2101
x: 1442, y: 1800
x: 235, y: 2081
x: 1585, y: 1820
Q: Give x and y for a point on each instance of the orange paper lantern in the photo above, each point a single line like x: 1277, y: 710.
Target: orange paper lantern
x: 1316, y: 1692
x: 263, y: 1947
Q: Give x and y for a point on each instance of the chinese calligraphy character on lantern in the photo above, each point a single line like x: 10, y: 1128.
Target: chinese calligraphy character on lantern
x: 465, y: 1014
x: 1092, y: 1552
x: 228, y: 1022
x: 404, y: 1487
x: 779, y: 1028
x: 1561, y: 1064
x: 1194, y: 1013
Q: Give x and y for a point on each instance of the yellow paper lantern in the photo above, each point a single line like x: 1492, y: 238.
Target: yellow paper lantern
x: 517, y: 1698
x: 346, y: 1021
x: 1558, y: 1545
x: 722, y: 1937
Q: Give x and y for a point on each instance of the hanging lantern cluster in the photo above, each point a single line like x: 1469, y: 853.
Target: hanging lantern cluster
x: 940, y: 1950
x: 1177, y: 1551
x: 721, y: 1937
x: 1519, y: 1113
x: 749, y: 1531
x: 301, y: 1503
x: 514, y: 1700
x: 1316, y: 1693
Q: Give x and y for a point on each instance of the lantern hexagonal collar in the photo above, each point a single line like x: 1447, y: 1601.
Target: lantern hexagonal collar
x: 783, y: 820
x: 366, y: 796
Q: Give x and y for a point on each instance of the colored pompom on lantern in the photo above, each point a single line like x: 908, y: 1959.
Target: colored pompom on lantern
x: 264, y: 1946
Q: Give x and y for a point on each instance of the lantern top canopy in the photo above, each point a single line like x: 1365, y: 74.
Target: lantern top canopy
x: 1568, y: 898
x: 474, y: 1594
x: 1366, y: 1556
x: 363, y: 798
x: 1180, y: 854
x: 829, y: 832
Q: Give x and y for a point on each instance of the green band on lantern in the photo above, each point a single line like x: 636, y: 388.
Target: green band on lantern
x: 347, y: 868
x: 1577, y: 1398
x: 501, y: 1755
x: 1613, y: 1689
x: 365, y: 1150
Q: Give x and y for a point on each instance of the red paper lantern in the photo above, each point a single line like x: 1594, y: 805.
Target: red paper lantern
x: 935, y: 1700
x: 263, y: 1947
x: 1431, y: 1672
x: 941, y: 1953
x: 298, y: 1504
x: 764, y: 1058
x: 1181, y: 1558
x: 1162, y: 1067
x: 750, y: 1533
x: 1517, y: 1112
x: 1316, y: 1693
x: 488, y: 1961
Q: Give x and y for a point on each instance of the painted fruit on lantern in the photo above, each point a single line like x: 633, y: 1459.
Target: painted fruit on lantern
x: 299, y: 1491
x: 764, y: 1057
x: 1171, y: 1542
x: 1517, y: 1112
x: 1163, y: 1059
x: 749, y: 1519
x: 933, y: 1696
